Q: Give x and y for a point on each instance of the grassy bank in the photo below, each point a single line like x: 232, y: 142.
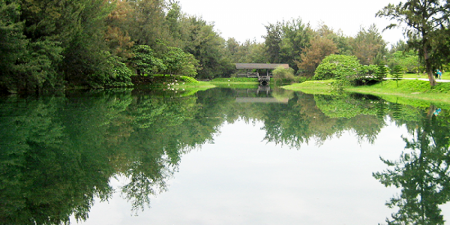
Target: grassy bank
x: 408, y: 88
x: 180, y: 84
x: 407, y: 91
x: 445, y: 76
x: 311, y: 87
x: 235, y: 80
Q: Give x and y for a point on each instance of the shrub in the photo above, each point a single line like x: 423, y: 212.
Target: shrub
x: 381, y: 72
x: 145, y: 61
x: 112, y: 73
x: 396, y: 73
x: 369, y: 70
x: 338, y: 67
x: 283, y: 73
x: 188, y: 79
x: 120, y: 74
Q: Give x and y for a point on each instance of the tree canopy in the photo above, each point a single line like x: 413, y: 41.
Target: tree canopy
x: 48, y: 46
x: 423, y: 21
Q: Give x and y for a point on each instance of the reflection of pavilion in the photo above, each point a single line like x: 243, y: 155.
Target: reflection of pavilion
x: 260, y: 95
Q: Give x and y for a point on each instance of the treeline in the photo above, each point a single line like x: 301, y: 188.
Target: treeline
x: 48, y: 45
x: 304, y: 47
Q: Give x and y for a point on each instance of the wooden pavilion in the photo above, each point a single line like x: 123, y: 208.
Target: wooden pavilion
x: 263, y: 79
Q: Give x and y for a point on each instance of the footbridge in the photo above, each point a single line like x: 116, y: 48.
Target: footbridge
x: 251, y: 67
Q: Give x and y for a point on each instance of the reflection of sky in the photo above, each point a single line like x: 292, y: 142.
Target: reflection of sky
x: 240, y: 179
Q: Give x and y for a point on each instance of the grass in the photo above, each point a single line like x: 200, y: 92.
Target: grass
x: 414, y: 87
x: 181, y: 84
x: 411, y: 92
x: 237, y: 85
x: 445, y: 76
x: 173, y: 78
x: 312, y: 87
x: 235, y: 80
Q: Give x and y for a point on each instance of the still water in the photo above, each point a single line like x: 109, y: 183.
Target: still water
x: 222, y: 156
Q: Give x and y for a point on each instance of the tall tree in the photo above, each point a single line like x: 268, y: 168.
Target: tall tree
x: 117, y: 36
x: 272, y: 42
x: 232, y: 46
x: 12, y: 44
x: 296, y: 37
x: 368, y: 45
x: 145, y: 62
x: 86, y: 56
x: 179, y: 62
x: 148, y: 22
x: 49, y: 26
x: 172, y: 22
x: 408, y: 60
x: 422, y: 19
x: 250, y: 51
x: 320, y: 47
x: 399, y: 46
x: 207, y: 46
x: 285, y: 41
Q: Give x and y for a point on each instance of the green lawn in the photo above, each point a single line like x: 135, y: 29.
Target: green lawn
x: 311, y: 87
x: 407, y: 89
x: 409, y: 92
x: 235, y: 80
x: 181, y: 84
x: 445, y: 76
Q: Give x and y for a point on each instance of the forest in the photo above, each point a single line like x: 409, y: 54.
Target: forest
x: 56, y: 45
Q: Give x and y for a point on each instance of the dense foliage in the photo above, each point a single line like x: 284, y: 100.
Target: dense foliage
x: 47, y: 46
x: 337, y: 66
x: 426, y: 27
x: 283, y: 73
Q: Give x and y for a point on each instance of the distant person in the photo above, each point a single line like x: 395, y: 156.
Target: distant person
x: 437, y: 111
x: 439, y: 74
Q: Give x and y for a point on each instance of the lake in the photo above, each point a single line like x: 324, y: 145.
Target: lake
x: 222, y: 156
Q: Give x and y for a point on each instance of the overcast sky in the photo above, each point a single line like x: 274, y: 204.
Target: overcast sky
x: 245, y: 19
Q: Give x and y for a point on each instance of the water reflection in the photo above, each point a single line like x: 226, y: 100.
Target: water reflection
x: 422, y: 172
x: 59, y: 153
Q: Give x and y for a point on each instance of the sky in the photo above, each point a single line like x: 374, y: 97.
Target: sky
x: 245, y: 19
x: 235, y: 180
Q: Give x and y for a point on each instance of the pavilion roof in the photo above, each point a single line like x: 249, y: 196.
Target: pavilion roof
x: 241, y: 66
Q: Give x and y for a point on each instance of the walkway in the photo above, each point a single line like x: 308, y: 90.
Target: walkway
x: 424, y: 79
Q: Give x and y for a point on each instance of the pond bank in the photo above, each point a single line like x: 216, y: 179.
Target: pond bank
x: 404, y: 89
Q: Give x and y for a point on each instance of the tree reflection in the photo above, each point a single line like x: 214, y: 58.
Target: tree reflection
x: 422, y: 173
x: 319, y: 118
x: 58, y: 154
x: 44, y: 177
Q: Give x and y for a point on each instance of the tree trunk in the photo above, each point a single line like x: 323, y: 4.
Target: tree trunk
x: 428, y: 66
x: 431, y: 77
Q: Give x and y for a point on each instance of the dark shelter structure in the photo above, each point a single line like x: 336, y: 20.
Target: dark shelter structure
x: 250, y: 67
